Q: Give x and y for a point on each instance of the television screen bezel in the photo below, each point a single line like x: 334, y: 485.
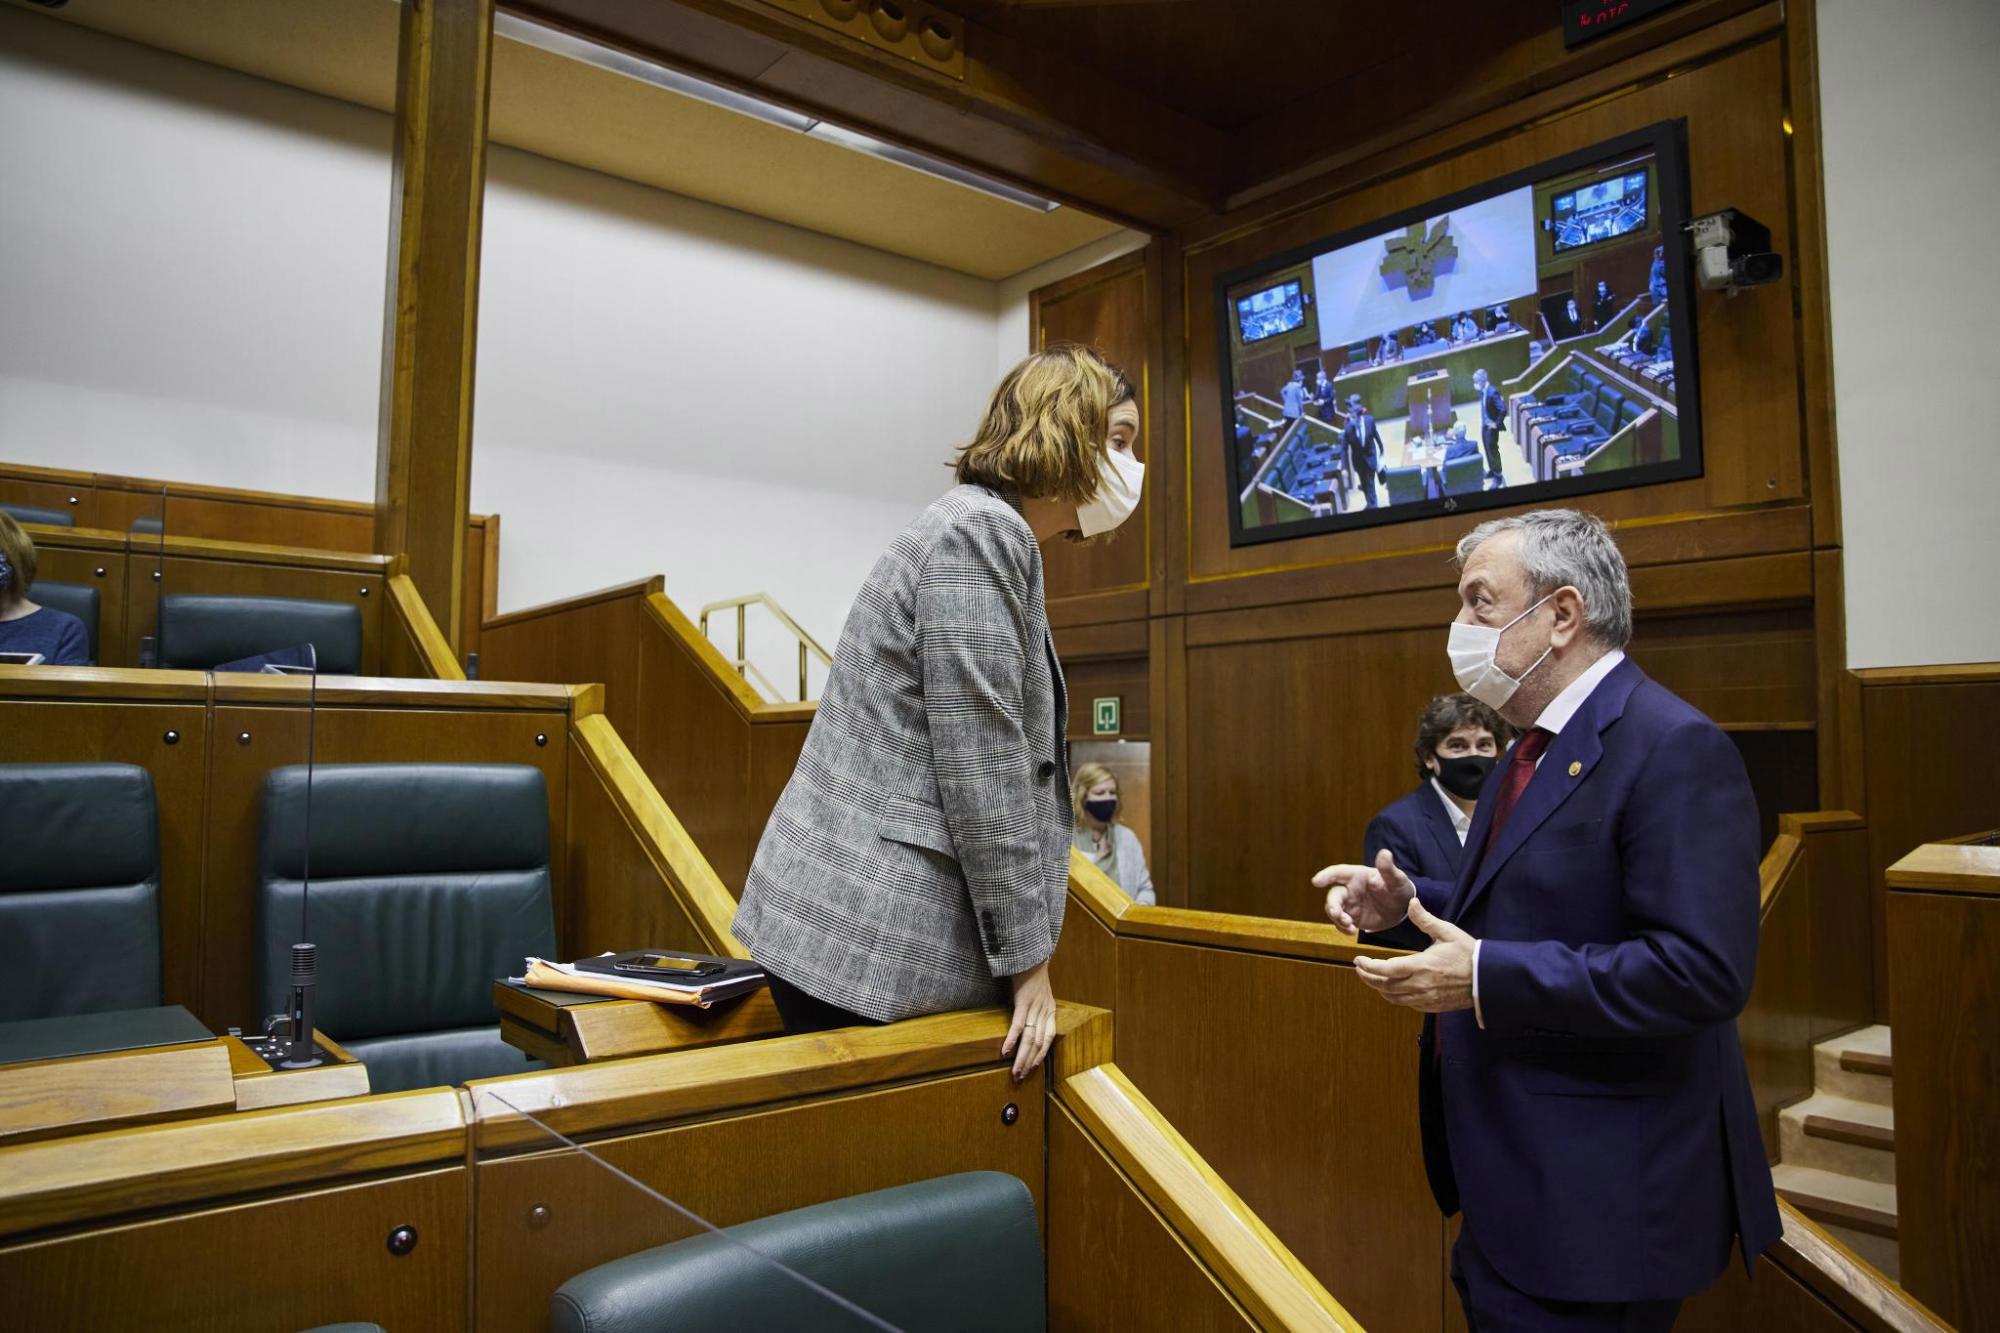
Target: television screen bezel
x: 1276, y: 333
x: 1667, y: 141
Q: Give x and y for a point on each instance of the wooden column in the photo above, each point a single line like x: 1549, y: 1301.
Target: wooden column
x: 423, y: 465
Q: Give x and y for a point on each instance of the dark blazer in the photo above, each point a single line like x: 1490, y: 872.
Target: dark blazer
x: 1417, y: 829
x: 1492, y: 411
x: 1369, y: 458
x: 920, y: 853
x: 1599, y: 1130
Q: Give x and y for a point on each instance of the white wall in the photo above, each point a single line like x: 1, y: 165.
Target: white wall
x: 191, y: 275
x: 1910, y: 123
x: 192, y: 287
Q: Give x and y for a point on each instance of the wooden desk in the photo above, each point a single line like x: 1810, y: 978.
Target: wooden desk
x: 94, y: 1088
x: 566, y: 1028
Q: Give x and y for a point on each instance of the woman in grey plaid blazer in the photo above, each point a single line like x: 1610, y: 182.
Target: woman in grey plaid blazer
x: 918, y: 860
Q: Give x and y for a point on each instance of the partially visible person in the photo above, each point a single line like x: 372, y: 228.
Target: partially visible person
x: 1656, y: 281
x: 1103, y: 837
x: 1324, y: 398
x: 1294, y: 395
x: 26, y: 627
x: 918, y: 859
x: 1459, y: 739
x: 1492, y: 420
x: 1603, y: 305
x: 1363, y: 445
x: 1388, y: 349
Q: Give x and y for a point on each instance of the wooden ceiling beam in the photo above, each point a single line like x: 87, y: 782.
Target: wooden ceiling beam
x: 1027, y: 116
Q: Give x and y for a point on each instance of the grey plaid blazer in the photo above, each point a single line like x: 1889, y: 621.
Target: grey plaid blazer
x: 920, y: 853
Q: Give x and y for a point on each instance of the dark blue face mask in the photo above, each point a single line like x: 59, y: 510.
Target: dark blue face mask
x: 1101, y: 808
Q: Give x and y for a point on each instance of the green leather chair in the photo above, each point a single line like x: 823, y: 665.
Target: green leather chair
x: 79, y: 599
x: 53, y: 518
x: 957, y: 1253
x: 199, y: 632
x: 79, y: 890
x: 429, y: 881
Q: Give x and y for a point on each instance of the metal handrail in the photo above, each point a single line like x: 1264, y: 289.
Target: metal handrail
x: 808, y: 645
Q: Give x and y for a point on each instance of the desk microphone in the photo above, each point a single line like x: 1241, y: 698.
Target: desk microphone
x: 302, y: 1052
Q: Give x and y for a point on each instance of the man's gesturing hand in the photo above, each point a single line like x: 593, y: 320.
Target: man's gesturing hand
x: 1436, y: 981
x: 1362, y: 898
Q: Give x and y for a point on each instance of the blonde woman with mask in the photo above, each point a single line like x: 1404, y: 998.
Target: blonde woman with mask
x: 1103, y: 837
x: 917, y: 861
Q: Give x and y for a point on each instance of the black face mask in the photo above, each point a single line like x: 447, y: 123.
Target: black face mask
x: 1465, y: 775
x: 1101, y: 808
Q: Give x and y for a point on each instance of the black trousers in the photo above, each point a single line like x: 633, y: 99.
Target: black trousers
x: 808, y: 1013
x: 1491, y: 439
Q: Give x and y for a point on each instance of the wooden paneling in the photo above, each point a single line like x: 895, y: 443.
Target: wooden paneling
x: 1098, y: 1226
x: 1944, y: 1005
x: 345, y: 735
x: 1776, y: 1025
x: 1122, y: 678
x: 733, y: 1170
x: 48, y: 731
x: 1085, y: 967
x: 592, y: 637
x: 293, y: 1262
x: 51, y: 488
x: 1107, y: 307
x: 1753, y: 669
x: 1925, y: 739
x: 271, y: 521
x: 1292, y: 747
x: 1299, y: 1045
x: 618, y: 899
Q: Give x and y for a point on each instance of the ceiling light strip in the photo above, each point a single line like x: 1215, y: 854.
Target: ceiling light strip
x: 570, y: 46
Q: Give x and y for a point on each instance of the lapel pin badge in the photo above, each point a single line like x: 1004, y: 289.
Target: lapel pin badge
x: 1575, y: 767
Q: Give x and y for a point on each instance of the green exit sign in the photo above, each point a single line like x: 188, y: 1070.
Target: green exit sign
x: 1104, y: 717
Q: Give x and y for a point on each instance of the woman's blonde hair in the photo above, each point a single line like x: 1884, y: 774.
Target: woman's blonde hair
x: 20, y: 552
x: 1079, y: 787
x: 1047, y: 426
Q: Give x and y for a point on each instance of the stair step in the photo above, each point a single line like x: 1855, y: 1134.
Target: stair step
x: 1857, y: 1066
x: 1864, y: 1205
x: 1848, y: 1138
x: 1857, y: 1132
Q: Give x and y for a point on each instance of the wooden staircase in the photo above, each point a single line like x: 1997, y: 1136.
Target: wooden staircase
x: 1837, y: 1148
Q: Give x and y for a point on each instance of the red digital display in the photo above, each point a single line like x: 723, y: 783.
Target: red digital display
x: 1585, y: 19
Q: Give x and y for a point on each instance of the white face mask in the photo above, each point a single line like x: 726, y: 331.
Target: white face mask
x: 1121, y: 477
x: 1473, y: 650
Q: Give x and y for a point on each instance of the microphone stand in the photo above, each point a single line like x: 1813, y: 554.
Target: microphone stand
x: 302, y: 1051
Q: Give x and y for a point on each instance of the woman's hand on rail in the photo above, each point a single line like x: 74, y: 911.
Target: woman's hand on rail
x: 1033, y: 1030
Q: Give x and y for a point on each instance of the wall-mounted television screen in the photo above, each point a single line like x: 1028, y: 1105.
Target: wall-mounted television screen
x: 1273, y: 311
x: 1523, y: 341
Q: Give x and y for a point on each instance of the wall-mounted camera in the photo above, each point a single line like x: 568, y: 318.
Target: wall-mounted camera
x: 1732, y: 250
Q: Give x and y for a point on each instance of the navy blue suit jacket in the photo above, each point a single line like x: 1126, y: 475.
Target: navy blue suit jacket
x: 1417, y: 830
x: 1599, y: 1130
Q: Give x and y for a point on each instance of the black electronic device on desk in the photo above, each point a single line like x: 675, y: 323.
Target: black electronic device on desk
x: 654, y: 965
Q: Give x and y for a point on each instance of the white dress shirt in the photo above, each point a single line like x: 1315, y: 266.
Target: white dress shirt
x: 1461, y: 822
x: 1555, y: 716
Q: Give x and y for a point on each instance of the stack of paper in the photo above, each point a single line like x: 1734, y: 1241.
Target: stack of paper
x: 567, y: 976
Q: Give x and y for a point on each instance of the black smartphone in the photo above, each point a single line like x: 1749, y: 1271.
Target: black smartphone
x: 653, y: 966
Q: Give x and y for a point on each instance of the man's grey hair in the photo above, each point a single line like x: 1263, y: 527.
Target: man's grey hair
x: 1569, y: 548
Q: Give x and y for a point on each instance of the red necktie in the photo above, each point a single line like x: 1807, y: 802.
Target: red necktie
x: 1520, y: 769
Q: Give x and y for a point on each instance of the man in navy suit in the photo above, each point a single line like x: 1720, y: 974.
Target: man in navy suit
x: 1492, y: 420
x: 1458, y: 741
x: 1583, y: 1097
x: 1363, y: 445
